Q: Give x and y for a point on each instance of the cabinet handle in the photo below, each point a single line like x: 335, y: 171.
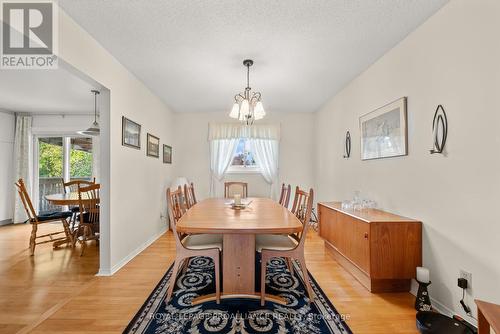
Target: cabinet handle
x: 366, y: 235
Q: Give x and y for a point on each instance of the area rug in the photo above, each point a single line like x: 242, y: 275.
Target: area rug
x: 235, y: 316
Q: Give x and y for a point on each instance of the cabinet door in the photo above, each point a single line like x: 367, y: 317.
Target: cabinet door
x: 360, y: 250
x: 327, y: 219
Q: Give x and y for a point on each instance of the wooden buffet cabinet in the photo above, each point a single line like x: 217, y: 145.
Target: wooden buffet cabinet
x: 380, y: 249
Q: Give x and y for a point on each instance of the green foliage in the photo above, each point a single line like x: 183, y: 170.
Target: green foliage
x: 80, y: 164
x: 50, y: 160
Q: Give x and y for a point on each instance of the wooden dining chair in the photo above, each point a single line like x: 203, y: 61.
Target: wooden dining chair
x: 35, y: 220
x: 286, y: 247
x: 285, y: 195
x: 72, y: 187
x: 242, y: 185
x: 189, y: 195
x: 89, y: 205
x: 300, y: 201
x: 188, y: 246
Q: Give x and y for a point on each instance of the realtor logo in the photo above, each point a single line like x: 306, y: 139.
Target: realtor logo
x: 29, y: 32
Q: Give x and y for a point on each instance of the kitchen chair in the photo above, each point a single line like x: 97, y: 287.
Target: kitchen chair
x: 72, y: 187
x: 36, y: 220
x: 286, y: 247
x: 189, y: 195
x: 285, y: 195
x: 242, y: 185
x: 89, y: 205
x: 187, y: 246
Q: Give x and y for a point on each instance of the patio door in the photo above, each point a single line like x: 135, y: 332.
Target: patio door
x: 59, y: 158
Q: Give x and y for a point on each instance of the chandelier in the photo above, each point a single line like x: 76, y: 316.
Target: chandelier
x: 247, y: 105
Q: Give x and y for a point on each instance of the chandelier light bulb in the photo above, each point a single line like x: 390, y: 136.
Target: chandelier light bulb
x: 244, y: 109
x: 258, y: 111
x: 235, y: 111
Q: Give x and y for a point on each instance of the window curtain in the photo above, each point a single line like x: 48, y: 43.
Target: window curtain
x: 266, y: 154
x: 23, y: 163
x: 264, y: 140
x: 221, y: 155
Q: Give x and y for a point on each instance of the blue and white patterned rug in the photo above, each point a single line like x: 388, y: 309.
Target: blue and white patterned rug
x: 237, y: 316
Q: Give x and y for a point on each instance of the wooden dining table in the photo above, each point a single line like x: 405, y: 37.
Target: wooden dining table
x: 239, y: 228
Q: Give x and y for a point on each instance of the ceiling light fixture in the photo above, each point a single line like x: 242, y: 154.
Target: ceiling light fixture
x: 94, y: 129
x: 247, y: 105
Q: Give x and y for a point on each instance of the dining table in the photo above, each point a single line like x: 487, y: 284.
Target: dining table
x: 238, y: 227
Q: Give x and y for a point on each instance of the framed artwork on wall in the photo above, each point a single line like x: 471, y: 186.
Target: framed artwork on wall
x: 384, y: 131
x: 131, y: 133
x: 167, y: 154
x: 153, y: 147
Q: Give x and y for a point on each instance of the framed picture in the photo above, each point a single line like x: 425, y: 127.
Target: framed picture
x: 167, y: 154
x: 384, y: 131
x: 131, y: 133
x: 153, y: 148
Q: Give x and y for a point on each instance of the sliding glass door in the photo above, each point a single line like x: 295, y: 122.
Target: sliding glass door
x: 60, y: 158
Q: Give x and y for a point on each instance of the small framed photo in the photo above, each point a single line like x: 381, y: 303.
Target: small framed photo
x: 167, y: 154
x: 384, y: 131
x: 131, y: 133
x: 153, y: 148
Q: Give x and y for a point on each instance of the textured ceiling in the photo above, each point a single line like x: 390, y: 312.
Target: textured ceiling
x: 49, y: 92
x: 189, y: 52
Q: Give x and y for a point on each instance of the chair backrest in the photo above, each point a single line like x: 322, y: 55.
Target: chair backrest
x: 305, y: 218
x: 89, y: 200
x: 285, y: 195
x: 25, y: 198
x: 74, y: 184
x: 175, y: 208
x: 189, y: 195
x: 242, y: 185
x: 300, y: 202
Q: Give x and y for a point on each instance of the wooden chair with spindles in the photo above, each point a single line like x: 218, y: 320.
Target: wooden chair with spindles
x: 285, y: 195
x: 242, y: 185
x: 189, y: 195
x: 300, y: 202
x: 188, y: 246
x: 72, y: 187
x: 89, y: 218
x: 35, y: 220
x: 287, y: 247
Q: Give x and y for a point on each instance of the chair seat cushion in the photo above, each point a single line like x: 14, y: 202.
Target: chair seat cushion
x: 274, y: 242
x: 53, y: 215
x: 75, y: 209
x: 203, y: 241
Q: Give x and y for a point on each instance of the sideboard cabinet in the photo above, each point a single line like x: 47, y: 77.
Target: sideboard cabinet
x: 380, y: 249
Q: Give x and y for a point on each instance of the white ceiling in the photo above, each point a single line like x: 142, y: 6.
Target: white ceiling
x: 45, y: 91
x: 189, y: 52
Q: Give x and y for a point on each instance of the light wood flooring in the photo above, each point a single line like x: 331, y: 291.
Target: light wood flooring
x: 56, y: 290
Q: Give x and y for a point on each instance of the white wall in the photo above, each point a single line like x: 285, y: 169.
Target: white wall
x: 191, y: 150
x: 136, y: 182
x: 7, y: 129
x: 453, y: 60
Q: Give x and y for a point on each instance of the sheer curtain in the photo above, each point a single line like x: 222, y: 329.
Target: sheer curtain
x: 23, y: 153
x: 266, y: 154
x: 221, y: 155
x: 264, y: 140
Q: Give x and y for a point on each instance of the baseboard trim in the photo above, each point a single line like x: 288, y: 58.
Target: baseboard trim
x: 134, y: 253
x: 5, y: 222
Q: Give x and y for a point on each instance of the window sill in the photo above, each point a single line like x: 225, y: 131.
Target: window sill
x: 243, y: 170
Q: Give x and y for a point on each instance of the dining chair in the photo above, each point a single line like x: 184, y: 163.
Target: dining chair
x: 287, y: 247
x: 72, y: 187
x: 36, y: 219
x: 188, y: 246
x: 189, y: 195
x: 300, y: 201
x: 89, y: 205
x: 285, y: 195
x: 242, y: 185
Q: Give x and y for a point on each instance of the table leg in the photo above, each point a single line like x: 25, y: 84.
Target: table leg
x: 238, y: 264
x: 482, y: 323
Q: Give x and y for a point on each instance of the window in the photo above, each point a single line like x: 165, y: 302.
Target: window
x: 61, y: 158
x: 243, y: 159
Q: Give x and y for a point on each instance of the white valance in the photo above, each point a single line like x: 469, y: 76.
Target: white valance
x: 218, y: 131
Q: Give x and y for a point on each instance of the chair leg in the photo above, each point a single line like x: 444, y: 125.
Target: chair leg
x: 173, y: 278
x: 289, y: 262
x: 84, y: 239
x: 33, y: 239
x: 67, y: 231
x: 263, y: 268
x: 305, y: 274
x: 217, y: 276
x: 185, y: 266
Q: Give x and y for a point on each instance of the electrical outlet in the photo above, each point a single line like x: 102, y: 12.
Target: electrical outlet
x: 467, y: 275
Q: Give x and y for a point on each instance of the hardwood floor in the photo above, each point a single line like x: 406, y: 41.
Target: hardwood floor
x: 56, y: 290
